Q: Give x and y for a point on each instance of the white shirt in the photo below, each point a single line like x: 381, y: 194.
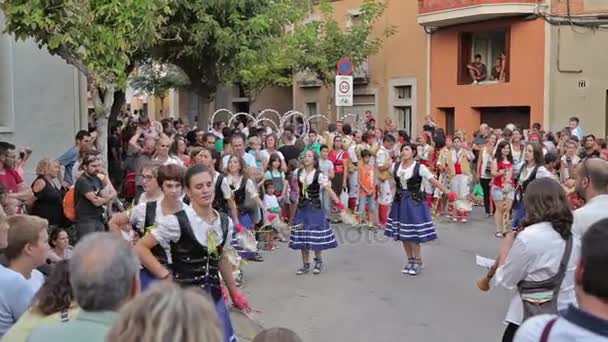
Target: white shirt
x: 144, y: 198
x: 574, y: 325
x: 308, y: 178
x: 535, y: 256
x: 578, y: 131
x: 169, y: 231
x: 281, y: 156
x: 250, y: 189
x: 352, y: 153
x: 137, y: 218
x: 565, y: 172
x: 16, y: 294
x: 383, y: 156
x: 406, y: 173
x: 270, y: 202
x: 247, y: 158
x: 595, y: 210
x: 542, y: 172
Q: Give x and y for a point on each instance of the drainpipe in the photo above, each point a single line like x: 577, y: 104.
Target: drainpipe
x: 559, y: 49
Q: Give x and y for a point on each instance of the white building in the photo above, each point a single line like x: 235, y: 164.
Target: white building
x: 43, y: 100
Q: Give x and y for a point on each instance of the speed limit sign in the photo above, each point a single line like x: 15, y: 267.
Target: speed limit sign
x: 344, y: 91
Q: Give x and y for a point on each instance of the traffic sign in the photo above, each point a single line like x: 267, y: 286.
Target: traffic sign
x: 345, y: 67
x: 344, y: 91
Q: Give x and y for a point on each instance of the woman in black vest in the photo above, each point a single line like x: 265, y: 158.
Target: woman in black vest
x: 240, y: 191
x: 145, y: 216
x: 313, y: 231
x: 199, y: 237
x: 532, y: 169
x: 410, y: 220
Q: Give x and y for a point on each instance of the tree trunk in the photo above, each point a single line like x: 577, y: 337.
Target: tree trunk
x: 204, y: 105
x: 103, y: 106
x: 119, y: 101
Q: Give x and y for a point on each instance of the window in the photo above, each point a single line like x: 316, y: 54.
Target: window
x: 493, y: 49
x: 403, y: 92
x: 311, y: 108
x: 404, y: 118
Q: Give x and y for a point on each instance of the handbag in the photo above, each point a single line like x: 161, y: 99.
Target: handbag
x: 540, y: 297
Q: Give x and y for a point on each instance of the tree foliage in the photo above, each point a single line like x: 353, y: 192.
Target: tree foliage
x: 218, y: 41
x: 319, y: 43
x: 98, y: 37
x: 157, y: 79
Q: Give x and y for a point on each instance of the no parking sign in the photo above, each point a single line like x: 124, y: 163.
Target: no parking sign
x: 344, y: 91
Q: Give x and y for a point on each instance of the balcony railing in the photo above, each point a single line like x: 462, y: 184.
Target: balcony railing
x: 451, y: 12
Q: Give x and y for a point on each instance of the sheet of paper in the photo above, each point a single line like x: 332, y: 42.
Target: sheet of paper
x: 484, y: 262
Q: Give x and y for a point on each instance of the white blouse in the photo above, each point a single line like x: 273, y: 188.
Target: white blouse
x: 168, y: 229
x: 308, y: 178
x: 535, y: 256
x: 404, y: 174
x: 229, y: 180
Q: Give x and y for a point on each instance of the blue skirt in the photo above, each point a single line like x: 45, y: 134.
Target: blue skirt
x: 224, y: 316
x: 410, y: 221
x: 146, y: 278
x: 519, y: 213
x: 247, y: 222
x: 315, y: 232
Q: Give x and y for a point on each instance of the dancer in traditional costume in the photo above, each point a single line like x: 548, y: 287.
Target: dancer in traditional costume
x: 445, y: 170
x: 240, y: 191
x: 383, y: 172
x: 313, y: 231
x: 199, y: 237
x: 145, y: 216
x: 460, y: 168
x: 410, y: 218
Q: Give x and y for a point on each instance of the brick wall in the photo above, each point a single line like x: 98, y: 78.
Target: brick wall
x: 426, y: 6
x: 579, y: 7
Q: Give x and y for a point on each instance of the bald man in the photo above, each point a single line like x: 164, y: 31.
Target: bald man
x: 592, y: 185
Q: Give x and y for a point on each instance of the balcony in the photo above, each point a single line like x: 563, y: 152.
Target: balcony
x: 306, y: 79
x: 361, y: 73
x: 440, y: 13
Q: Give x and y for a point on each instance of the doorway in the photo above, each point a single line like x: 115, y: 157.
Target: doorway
x: 499, y: 117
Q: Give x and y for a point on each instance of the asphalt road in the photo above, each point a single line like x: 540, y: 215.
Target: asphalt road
x: 363, y: 296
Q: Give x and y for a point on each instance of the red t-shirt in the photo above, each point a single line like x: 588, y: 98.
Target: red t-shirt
x: 11, y: 180
x: 338, y: 158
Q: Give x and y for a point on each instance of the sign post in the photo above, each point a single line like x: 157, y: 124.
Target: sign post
x: 344, y: 91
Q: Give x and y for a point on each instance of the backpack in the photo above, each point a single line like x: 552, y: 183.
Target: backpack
x: 69, y: 204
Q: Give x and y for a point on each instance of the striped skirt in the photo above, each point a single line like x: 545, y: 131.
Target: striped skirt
x: 312, y: 231
x: 410, y: 221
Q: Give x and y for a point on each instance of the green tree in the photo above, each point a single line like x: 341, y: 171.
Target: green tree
x: 157, y: 79
x: 318, y: 44
x: 222, y: 41
x: 99, y: 37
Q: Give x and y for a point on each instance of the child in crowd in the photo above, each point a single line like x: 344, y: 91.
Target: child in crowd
x: 327, y: 167
x: 367, y: 190
x: 272, y: 209
x: 261, y: 156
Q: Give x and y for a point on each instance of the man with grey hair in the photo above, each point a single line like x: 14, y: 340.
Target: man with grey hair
x: 104, y: 274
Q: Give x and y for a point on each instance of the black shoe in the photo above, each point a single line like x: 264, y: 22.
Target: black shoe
x: 305, y: 269
x: 318, y: 266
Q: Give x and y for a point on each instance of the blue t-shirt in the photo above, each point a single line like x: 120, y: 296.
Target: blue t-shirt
x: 16, y: 294
x: 67, y: 160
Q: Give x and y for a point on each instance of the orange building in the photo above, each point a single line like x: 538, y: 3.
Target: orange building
x: 461, y: 30
x: 538, y: 69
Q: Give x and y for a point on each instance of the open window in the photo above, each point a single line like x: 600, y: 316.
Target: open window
x: 484, y: 57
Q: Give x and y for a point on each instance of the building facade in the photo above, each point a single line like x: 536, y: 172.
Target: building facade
x: 392, y: 84
x: 43, y: 100
x: 541, y: 65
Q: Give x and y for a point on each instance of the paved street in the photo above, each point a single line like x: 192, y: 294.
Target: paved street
x: 362, y: 296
